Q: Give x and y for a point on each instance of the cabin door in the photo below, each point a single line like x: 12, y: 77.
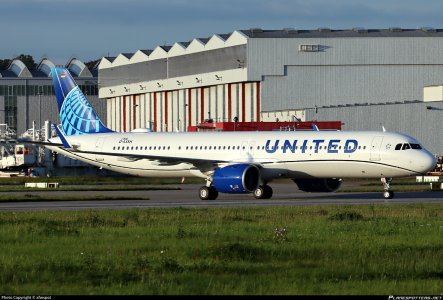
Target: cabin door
x: 98, y: 149
x: 375, y: 148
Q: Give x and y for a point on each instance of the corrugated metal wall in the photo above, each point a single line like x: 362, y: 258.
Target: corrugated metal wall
x: 345, y: 70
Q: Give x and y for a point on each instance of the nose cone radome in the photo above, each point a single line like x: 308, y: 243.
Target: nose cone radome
x: 427, y: 162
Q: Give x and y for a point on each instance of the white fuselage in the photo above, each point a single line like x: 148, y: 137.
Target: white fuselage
x: 290, y: 154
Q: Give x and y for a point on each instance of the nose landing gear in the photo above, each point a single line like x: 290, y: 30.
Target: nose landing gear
x: 388, y: 194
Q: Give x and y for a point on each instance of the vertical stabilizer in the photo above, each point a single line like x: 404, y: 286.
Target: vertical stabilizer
x: 76, y: 114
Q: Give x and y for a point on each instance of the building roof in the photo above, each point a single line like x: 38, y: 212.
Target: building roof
x: 337, y: 33
x: 239, y: 37
x: 17, y: 69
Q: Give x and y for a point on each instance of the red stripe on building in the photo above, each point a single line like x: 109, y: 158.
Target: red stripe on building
x: 202, y: 104
x: 166, y: 111
x: 257, y: 104
x: 229, y: 103
x: 189, y: 107
x: 155, y: 111
x: 134, y: 111
x: 124, y: 113
x: 243, y: 102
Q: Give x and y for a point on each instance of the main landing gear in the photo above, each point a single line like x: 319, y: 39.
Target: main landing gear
x: 210, y: 193
x: 386, y: 185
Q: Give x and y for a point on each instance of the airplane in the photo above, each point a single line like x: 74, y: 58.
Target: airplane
x: 234, y: 162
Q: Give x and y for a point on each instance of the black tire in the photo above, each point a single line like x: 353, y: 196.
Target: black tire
x: 268, y: 192
x: 263, y: 192
x: 207, y: 193
x: 259, y: 192
x: 213, y: 193
x: 204, y: 193
x: 388, y: 194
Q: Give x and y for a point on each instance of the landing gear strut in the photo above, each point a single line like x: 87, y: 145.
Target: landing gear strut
x: 386, y: 185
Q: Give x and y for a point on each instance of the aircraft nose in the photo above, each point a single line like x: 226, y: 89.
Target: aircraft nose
x: 427, y: 162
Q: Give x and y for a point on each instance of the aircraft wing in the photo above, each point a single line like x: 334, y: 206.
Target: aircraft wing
x: 202, y: 164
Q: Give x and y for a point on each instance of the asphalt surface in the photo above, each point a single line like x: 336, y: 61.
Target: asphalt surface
x: 285, y: 194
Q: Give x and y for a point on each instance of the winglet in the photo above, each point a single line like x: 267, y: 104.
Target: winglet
x: 62, y: 138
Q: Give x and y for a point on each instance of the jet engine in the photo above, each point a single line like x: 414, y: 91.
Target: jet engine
x: 236, y: 179
x: 318, y: 185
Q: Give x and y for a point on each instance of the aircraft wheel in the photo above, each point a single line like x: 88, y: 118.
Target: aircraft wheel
x: 259, y: 192
x: 208, y: 193
x: 268, y: 192
x: 263, y: 192
x: 388, y: 194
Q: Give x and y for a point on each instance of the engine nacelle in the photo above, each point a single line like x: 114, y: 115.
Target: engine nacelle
x: 236, y: 179
x: 318, y: 185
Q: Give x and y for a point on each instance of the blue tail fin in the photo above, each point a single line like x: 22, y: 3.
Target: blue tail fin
x: 76, y: 114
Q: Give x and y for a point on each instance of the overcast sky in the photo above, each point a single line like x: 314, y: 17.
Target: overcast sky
x: 90, y: 29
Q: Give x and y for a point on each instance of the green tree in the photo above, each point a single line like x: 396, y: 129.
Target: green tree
x: 28, y: 60
x: 4, y: 64
x: 91, y: 64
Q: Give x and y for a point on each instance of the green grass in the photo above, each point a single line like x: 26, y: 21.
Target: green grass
x: 375, y: 249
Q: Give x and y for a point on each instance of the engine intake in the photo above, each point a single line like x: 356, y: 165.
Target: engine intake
x: 318, y: 185
x: 236, y: 179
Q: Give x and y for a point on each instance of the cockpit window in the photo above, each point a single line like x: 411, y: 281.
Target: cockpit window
x: 416, y: 146
x: 407, y: 146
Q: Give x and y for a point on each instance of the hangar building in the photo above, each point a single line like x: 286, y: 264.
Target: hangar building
x: 367, y: 78
x: 27, y: 96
